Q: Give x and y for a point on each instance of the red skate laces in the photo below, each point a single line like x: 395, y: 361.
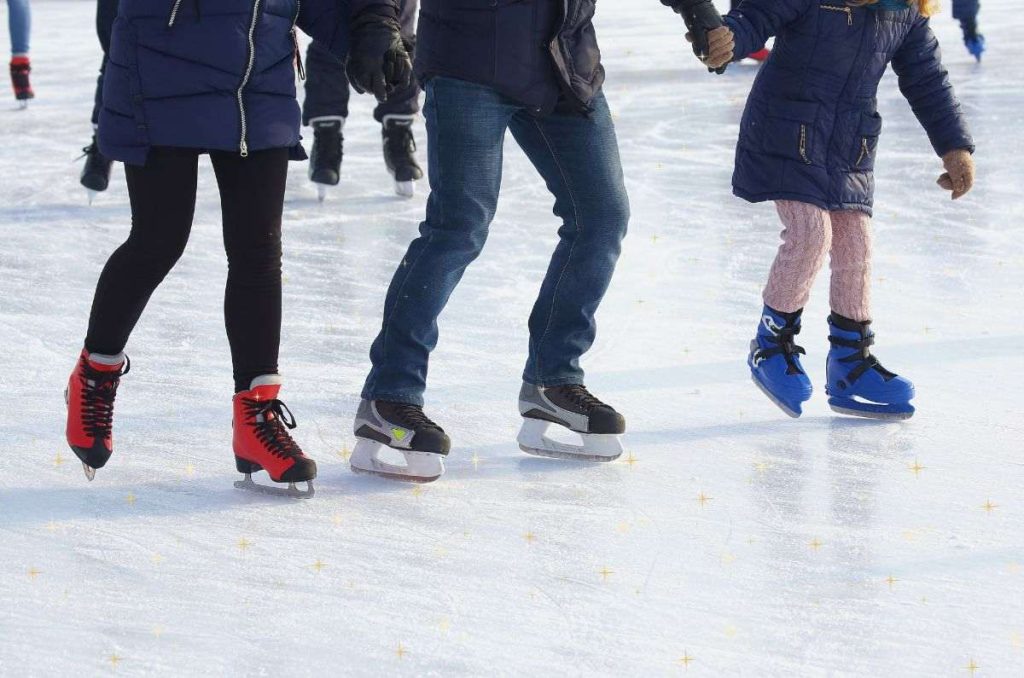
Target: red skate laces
x: 99, y: 388
x: 272, y: 420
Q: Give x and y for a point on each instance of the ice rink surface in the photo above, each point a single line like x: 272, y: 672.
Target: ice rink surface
x: 730, y: 540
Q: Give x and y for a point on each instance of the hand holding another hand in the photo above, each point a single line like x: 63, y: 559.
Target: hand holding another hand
x: 720, y: 48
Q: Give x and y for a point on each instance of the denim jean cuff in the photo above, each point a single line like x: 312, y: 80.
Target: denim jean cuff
x: 553, y: 381
x: 407, y: 398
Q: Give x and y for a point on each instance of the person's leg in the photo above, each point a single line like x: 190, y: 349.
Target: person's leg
x: 252, y: 200
x: 163, y: 196
x: 578, y: 157
x: 806, y: 240
x: 327, y: 90
x: 851, y: 265
x: 466, y: 126
x: 20, y: 24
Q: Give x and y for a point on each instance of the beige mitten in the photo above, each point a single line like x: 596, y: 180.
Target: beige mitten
x: 721, y: 44
x: 959, y: 174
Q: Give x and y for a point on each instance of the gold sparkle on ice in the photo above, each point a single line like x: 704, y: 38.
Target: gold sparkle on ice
x: 59, y: 460
x: 972, y: 666
x: 630, y: 460
x: 816, y: 543
x: 686, y: 659
x: 130, y: 498
x: 530, y: 537
x: 605, y: 573
x: 989, y: 506
x: 318, y: 565
x: 243, y: 544
x: 891, y: 581
x: 115, y: 659
x: 917, y: 468
x: 400, y: 652
x: 33, y: 573
x: 703, y: 499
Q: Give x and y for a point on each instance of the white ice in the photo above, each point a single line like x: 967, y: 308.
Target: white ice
x: 818, y: 549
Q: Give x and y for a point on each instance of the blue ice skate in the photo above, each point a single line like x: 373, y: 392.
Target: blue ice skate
x: 975, y: 45
x: 775, y: 361
x: 857, y: 383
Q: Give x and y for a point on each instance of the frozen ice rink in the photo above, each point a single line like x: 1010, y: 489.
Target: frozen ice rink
x: 729, y: 540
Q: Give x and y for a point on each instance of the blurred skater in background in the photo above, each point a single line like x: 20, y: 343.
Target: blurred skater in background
x: 325, y: 109
x: 808, y: 141
x: 19, y: 21
x: 96, y: 173
x: 966, y: 12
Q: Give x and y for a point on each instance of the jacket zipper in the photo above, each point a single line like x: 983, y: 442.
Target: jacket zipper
x: 174, y: 13
x: 865, y: 151
x: 803, y: 145
x: 845, y: 10
x: 243, y: 144
x: 295, y: 39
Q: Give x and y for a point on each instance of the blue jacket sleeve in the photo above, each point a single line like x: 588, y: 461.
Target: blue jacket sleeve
x: 754, y: 21
x: 925, y: 83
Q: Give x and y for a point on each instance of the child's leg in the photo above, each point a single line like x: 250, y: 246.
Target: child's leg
x: 20, y: 24
x: 163, y: 198
x: 806, y: 239
x: 252, y: 199
x: 851, y: 265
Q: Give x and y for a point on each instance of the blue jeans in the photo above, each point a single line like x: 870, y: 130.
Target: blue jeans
x: 579, y: 160
x: 20, y: 23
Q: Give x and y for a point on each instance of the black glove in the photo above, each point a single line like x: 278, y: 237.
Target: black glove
x: 378, y: 61
x: 700, y: 17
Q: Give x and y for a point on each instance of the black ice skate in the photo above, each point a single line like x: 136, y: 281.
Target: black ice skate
x: 575, y: 408
x: 96, y: 173
x: 325, y: 160
x: 405, y: 429
x: 400, y: 153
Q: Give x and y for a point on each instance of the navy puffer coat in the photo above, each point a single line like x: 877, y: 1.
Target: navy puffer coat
x: 810, y: 129
x: 536, y: 52
x: 209, y: 75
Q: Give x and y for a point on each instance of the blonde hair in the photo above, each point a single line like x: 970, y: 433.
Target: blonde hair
x: 925, y: 7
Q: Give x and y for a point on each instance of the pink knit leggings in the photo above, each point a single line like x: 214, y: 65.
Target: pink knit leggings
x: 809, y: 234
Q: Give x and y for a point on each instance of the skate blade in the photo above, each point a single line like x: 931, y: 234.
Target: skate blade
x: 405, y: 189
x: 421, y: 467
x: 90, y: 195
x: 90, y: 472
x: 321, y: 192
x: 292, y: 491
x: 870, y: 410
x: 795, y: 414
x: 596, y: 447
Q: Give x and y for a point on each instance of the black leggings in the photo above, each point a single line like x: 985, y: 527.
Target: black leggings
x: 163, y: 198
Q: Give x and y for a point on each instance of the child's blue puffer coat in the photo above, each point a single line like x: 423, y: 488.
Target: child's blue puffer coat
x: 810, y: 129
x: 209, y: 75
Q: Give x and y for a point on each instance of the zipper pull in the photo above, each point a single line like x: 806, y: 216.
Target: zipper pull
x: 243, y: 149
x: 849, y: 16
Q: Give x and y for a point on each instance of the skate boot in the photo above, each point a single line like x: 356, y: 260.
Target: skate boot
x: 973, y: 40
x: 96, y: 173
x: 325, y: 160
x: 20, y: 68
x: 400, y: 153
x: 262, y: 442
x: 760, y: 55
x: 89, y: 396
x: 571, y: 406
x: 404, y: 428
x: 857, y: 382
x: 774, y: 361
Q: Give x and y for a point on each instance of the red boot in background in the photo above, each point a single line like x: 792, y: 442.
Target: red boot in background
x: 262, y: 442
x: 90, y: 399
x: 760, y: 55
x: 20, y: 68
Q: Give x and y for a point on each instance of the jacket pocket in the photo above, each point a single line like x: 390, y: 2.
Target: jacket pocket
x: 835, y: 17
x: 867, y: 141
x: 790, y: 131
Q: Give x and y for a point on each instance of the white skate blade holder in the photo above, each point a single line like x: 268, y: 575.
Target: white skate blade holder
x: 292, y: 491
x: 533, y: 440
x: 405, y: 189
x: 420, y: 467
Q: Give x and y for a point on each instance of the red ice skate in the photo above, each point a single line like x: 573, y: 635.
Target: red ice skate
x: 90, y: 400
x: 262, y: 442
x: 20, y: 68
x: 760, y: 55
